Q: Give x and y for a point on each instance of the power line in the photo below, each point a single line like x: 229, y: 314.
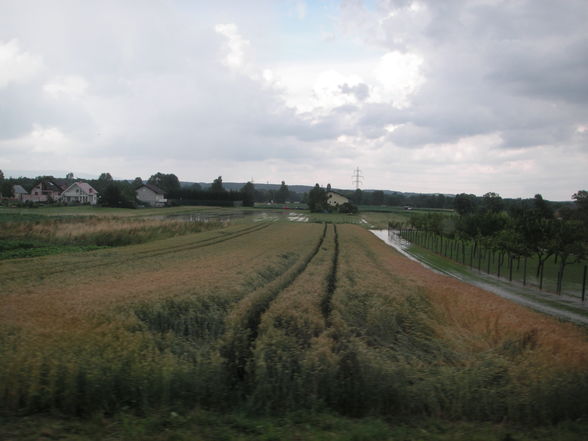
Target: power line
x: 357, y: 178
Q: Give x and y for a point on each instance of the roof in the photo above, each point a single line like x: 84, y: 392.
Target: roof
x: 153, y: 188
x: 49, y: 185
x: 18, y: 189
x: 63, y: 184
x: 338, y: 194
x: 84, y: 186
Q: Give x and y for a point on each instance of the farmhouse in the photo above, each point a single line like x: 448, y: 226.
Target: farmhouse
x: 151, y: 195
x: 335, y: 199
x: 80, y: 193
x: 46, y: 190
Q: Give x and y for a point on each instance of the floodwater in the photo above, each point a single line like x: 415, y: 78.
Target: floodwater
x: 256, y: 216
x: 525, y: 296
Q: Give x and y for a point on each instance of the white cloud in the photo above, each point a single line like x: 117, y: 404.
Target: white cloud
x: 47, y: 140
x: 399, y: 76
x: 70, y: 86
x: 16, y: 65
x: 235, y: 45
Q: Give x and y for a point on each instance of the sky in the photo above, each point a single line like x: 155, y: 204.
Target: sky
x: 426, y: 96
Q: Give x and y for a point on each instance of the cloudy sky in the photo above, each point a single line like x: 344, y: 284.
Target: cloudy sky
x: 442, y: 96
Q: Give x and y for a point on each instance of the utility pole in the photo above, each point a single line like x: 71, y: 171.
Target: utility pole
x: 357, y: 178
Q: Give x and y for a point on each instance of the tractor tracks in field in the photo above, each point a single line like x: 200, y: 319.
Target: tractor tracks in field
x: 91, y: 264
x: 244, y: 321
x: 326, y: 303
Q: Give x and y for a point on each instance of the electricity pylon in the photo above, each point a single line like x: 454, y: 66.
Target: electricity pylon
x: 357, y: 178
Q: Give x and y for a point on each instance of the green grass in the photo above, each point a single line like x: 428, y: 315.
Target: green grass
x: 200, y: 425
x: 16, y: 249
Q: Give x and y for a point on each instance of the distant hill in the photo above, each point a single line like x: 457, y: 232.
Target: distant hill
x: 295, y: 188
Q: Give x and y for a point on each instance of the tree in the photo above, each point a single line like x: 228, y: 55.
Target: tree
x: 542, y: 208
x: 6, y: 189
x: 282, y: 194
x: 105, y: 177
x: 169, y: 183
x: 378, y: 197
x: 357, y: 197
x: 492, y: 203
x: 570, y: 245
x: 317, y: 199
x: 464, y: 204
x: 248, y: 191
x: 69, y: 176
x: 217, y: 185
x: 114, y: 195
x: 2, y: 189
x: 581, y: 200
x: 137, y: 182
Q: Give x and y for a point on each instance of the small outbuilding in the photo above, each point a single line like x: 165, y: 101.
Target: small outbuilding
x: 336, y: 199
x: 151, y: 195
x: 20, y: 194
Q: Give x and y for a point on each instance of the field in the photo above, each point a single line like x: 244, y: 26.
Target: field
x: 250, y: 329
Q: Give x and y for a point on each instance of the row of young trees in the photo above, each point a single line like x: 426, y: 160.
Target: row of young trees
x: 531, y: 228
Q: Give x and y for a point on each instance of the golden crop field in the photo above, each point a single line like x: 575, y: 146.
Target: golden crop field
x: 274, y: 317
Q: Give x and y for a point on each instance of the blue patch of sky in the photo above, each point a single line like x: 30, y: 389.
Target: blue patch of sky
x: 314, y: 36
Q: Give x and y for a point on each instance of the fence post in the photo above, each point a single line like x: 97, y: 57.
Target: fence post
x: 584, y: 283
x: 488, y: 256
x: 499, y: 263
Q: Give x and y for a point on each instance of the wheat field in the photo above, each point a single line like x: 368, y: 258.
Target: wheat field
x: 275, y: 317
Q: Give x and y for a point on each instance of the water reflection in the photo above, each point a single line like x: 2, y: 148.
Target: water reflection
x: 226, y: 217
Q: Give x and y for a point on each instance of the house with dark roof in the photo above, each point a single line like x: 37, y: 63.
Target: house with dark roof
x: 46, y: 190
x: 79, y: 193
x: 150, y: 194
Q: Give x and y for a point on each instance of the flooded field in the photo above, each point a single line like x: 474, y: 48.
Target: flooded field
x: 236, y: 215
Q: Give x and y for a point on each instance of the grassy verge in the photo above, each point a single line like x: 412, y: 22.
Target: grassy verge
x: 14, y: 249
x: 200, y: 425
x: 31, y: 236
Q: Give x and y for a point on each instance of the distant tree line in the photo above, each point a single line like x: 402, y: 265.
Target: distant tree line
x: 121, y: 193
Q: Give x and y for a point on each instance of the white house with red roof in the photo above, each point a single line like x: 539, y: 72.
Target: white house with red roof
x: 80, y: 193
